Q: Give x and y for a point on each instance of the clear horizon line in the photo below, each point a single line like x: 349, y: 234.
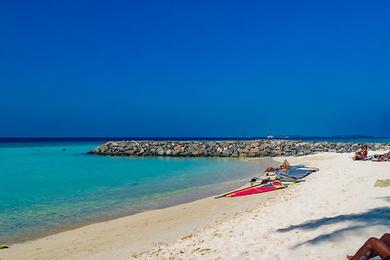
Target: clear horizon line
x: 190, y: 137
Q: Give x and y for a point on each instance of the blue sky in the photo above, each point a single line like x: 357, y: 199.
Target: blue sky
x: 194, y: 68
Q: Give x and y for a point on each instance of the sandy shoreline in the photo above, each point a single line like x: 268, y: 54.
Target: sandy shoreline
x: 326, y: 217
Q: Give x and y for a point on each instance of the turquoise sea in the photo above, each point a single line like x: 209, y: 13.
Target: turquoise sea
x: 52, y: 186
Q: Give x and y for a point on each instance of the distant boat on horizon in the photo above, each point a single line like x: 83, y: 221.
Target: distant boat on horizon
x: 270, y: 136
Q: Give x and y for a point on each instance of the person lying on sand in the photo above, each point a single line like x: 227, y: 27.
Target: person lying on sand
x: 268, y: 176
x: 284, y: 166
x: 361, y: 154
x: 374, y: 247
x: 379, y: 157
x: 270, y: 173
x: 384, y: 157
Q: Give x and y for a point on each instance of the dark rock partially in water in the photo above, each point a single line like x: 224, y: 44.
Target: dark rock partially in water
x: 255, y: 148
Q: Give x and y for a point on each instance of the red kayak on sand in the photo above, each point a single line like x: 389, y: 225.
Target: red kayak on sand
x: 257, y: 189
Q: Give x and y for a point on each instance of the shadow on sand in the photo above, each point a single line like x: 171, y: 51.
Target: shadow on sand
x: 373, y: 217
x: 386, y: 198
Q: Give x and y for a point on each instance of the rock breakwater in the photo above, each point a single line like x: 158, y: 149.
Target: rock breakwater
x: 253, y: 148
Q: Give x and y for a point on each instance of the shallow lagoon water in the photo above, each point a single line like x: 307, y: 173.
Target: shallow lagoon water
x: 49, y: 187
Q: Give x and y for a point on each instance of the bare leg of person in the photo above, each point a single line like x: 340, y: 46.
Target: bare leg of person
x: 372, y: 246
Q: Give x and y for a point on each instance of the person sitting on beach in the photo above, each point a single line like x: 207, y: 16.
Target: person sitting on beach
x: 285, y: 165
x: 372, y: 248
x: 361, y: 154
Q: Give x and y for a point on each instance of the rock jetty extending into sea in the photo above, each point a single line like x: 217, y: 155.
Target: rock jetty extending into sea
x: 249, y: 148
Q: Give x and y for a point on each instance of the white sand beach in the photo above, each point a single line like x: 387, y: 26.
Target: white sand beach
x: 326, y: 217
